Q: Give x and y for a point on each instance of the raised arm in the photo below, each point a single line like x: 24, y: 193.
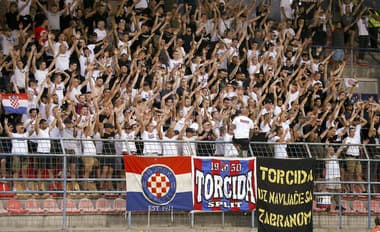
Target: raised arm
x: 41, y: 6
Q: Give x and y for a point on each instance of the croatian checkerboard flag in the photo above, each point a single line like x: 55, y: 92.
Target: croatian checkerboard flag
x: 15, y: 103
x: 158, y: 183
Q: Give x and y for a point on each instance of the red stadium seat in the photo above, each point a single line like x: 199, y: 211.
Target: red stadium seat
x: 359, y: 207
x: 33, y: 206
x: 58, y: 188
x: 111, y: 195
x: 375, y: 207
x: 119, y: 205
x: 86, y: 206
x: 71, y: 207
x: 4, y: 187
x: 50, y: 206
x: 14, y: 207
x: 102, y: 205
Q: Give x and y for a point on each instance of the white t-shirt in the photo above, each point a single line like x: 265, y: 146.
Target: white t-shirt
x: 332, y: 168
x: 266, y: 127
x: 74, y: 92
x: 54, y: 20
x: 125, y: 46
x: 151, y: 147
x: 189, y: 148
x: 224, y: 24
x: 58, y: 44
x: 203, y: 79
x: 142, y: 4
x: 180, y: 124
x: 279, y: 149
x: 229, y: 149
x: 83, y: 63
x: 18, y: 144
x: 72, y: 143
x: 42, y: 108
x: 243, y: 126
x: 292, y: 98
x: 40, y: 76
x: 58, y: 89
x: 146, y: 94
x: 98, y: 143
x: 6, y: 42
x: 55, y: 132
x: 253, y: 69
x: 363, y: 27
x: 253, y: 53
x: 174, y: 63
x: 19, y: 76
x: 352, y: 150
x: 129, y: 146
x: 43, y: 144
x: 89, y: 147
x: 101, y: 34
x: 170, y: 148
x: 344, y: 5
x: 26, y: 10
x: 287, y: 5
x: 357, y: 135
x: 63, y: 61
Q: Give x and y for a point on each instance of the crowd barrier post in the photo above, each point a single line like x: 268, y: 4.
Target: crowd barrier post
x: 64, y: 210
x: 253, y: 219
x: 308, y: 151
x: 192, y: 219
x: 222, y: 219
x: 129, y: 213
x: 368, y: 185
x: 191, y: 150
x: 340, y: 211
x: 251, y: 151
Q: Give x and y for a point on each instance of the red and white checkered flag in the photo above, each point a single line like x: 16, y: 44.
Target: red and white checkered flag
x: 14, y: 101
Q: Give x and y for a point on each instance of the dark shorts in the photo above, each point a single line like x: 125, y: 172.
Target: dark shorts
x: 45, y: 161
x: 108, y: 161
x: 8, y: 161
x: 71, y: 157
x: 56, y: 147
x: 243, y: 143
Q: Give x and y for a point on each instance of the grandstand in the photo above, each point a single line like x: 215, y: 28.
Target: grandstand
x: 86, y: 82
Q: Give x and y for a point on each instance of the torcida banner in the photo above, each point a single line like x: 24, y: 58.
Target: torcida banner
x: 284, y: 194
x: 224, y: 184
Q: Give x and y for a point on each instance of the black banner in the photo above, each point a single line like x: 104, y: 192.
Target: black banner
x: 284, y: 194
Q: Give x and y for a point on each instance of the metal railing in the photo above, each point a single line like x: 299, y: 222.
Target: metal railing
x: 69, y: 172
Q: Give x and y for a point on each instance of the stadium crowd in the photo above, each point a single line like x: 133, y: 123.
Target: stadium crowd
x: 192, y: 71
